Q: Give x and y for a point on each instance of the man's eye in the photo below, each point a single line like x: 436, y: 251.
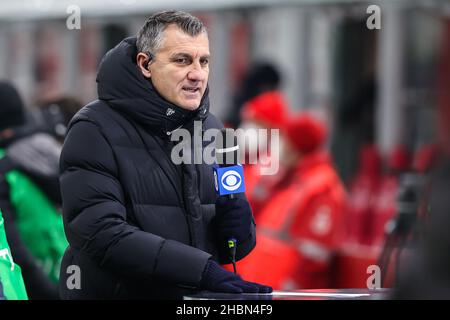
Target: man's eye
x: 204, y: 62
x: 181, y: 60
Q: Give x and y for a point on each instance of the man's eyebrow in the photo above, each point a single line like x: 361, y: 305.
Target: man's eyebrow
x: 187, y: 55
x: 181, y: 54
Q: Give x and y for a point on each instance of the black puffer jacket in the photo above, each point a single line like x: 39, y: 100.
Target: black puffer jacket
x: 138, y: 225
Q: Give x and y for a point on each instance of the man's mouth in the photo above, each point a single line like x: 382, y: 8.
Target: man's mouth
x: 191, y: 89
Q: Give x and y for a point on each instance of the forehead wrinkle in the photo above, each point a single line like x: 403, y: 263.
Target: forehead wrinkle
x: 186, y: 50
x: 181, y: 40
x: 180, y: 54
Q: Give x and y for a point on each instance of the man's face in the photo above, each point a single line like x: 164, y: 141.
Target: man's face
x: 180, y: 68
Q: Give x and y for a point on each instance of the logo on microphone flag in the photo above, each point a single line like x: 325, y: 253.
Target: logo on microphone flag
x: 229, y: 180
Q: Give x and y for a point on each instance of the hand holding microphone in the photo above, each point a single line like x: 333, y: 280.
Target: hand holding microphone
x: 232, y: 214
x: 233, y: 219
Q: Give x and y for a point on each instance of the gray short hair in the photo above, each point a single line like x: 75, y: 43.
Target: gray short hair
x: 151, y: 35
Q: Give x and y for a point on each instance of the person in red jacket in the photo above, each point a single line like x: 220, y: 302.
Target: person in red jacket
x: 300, y: 228
x: 363, y: 191
x: 266, y: 111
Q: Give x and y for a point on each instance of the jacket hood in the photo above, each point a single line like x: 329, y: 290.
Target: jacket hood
x: 121, y: 84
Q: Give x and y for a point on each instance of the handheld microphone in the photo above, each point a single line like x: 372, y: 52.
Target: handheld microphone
x: 228, y: 174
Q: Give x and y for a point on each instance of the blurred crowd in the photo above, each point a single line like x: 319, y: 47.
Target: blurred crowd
x: 30, y: 202
x: 314, y: 230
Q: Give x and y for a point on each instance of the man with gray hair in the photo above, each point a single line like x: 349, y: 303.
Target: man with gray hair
x: 138, y: 225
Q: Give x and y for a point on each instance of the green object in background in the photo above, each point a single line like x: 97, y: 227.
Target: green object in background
x: 39, y: 223
x: 10, y: 273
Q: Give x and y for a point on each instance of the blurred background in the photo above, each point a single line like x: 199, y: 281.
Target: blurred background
x: 369, y: 85
x: 382, y: 93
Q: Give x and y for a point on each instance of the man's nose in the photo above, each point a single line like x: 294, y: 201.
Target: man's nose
x: 197, y: 73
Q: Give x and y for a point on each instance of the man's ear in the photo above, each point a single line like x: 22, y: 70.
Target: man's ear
x: 143, y: 61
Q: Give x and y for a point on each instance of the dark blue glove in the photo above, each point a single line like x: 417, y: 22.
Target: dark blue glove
x: 217, y: 279
x: 233, y: 219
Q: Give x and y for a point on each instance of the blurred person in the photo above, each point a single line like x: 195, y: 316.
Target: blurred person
x: 260, y: 78
x: 11, y: 280
x: 425, y: 274
x: 425, y: 158
x: 300, y: 228
x: 29, y: 196
x: 425, y: 164
x: 266, y: 111
x: 363, y: 189
x: 384, y: 205
x: 53, y: 115
x: 138, y: 225
x: 413, y: 211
